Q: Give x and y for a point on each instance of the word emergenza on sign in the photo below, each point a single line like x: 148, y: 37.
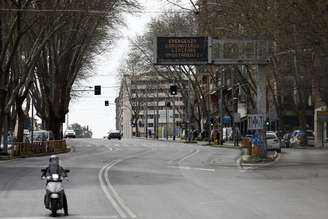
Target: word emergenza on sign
x: 182, y: 50
x: 255, y: 121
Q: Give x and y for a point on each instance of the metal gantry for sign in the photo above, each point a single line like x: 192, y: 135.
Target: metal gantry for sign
x: 218, y: 53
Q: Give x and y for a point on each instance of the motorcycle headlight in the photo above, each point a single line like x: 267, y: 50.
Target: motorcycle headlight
x: 54, y: 195
x: 55, y: 177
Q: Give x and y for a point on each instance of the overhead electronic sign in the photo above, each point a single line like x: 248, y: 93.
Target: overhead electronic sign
x: 182, y: 50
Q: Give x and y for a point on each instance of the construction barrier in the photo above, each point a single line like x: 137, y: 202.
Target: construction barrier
x: 246, y: 143
x: 38, y: 147
x: 256, y: 150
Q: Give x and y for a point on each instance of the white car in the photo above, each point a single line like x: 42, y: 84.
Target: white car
x: 273, y: 142
x: 70, y: 133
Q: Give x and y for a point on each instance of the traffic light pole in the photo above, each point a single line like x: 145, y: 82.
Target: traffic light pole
x: 173, y: 109
x: 221, y: 102
x: 189, y: 111
x: 261, y: 100
x: 166, y: 122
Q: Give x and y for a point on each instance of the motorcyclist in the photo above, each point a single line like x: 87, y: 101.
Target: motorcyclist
x: 54, y: 168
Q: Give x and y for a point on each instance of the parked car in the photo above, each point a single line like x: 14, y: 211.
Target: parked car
x: 302, y: 138
x: 69, y: 133
x: 273, y: 142
x: 115, y: 134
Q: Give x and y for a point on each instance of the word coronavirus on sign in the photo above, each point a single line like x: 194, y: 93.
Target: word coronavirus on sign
x: 182, y: 50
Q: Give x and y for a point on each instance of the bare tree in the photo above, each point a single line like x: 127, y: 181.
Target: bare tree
x: 69, y: 54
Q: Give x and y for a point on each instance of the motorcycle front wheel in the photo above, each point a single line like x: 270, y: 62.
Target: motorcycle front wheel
x: 53, y: 207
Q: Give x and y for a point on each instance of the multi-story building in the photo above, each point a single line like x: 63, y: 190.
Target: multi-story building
x: 146, y: 108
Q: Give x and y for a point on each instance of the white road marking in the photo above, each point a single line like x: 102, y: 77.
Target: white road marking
x: 66, y: 217
x: 188, y: 156
x: 116, y: 196
x: 109, y: 148
x: 107, y: 193
x: 192, y: 168
x: 109, y: 190
x: 116, y: 149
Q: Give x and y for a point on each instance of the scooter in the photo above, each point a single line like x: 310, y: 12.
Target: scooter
x: 54, y: 198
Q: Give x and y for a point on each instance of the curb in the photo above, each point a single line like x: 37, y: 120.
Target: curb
x: 276, y: 157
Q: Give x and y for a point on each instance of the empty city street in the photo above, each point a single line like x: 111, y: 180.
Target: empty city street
x: 154, y: 179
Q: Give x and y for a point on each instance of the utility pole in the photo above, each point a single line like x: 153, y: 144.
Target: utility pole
x: 146, y: 117
x: 166, y: 123
x: 173, y: 109
x: 221, y: 102
x: 209, y: 117
x: 67, y: 121
x: 156, y: 119
x: 32, y: 117
x: 189, y: 111
x: 261, y: 100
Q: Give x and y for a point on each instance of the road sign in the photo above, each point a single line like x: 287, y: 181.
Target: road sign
x: 181, y: 50
x: 226, y: 119
x: 255, y: 121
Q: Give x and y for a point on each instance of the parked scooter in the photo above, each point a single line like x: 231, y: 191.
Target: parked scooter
x: 55, y: 198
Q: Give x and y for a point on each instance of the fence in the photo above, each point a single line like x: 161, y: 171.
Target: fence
x: 38, y: 147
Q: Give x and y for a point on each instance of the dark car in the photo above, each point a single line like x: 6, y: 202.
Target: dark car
x: 115, y: 134
x: 302, y: 138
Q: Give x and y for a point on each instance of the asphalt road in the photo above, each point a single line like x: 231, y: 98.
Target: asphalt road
x: 158, y: 180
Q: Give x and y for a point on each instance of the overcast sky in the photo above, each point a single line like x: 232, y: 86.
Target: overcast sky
x: 89, y: 109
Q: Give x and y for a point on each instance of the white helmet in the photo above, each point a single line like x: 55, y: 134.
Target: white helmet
x: 54, y: 158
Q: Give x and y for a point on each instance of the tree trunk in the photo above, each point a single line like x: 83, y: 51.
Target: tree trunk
x: 55, y: 127
x: 20, y: 126
x: 137, y: 127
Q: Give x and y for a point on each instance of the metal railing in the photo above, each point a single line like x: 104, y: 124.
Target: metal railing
x: 37, y: 148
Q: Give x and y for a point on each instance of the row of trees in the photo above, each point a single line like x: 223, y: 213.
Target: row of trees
x: 47, y: 46
x: 81, y: 131
x: 298, y: 30
x: 297, y: 73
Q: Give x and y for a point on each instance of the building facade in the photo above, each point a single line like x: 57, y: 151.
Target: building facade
x: 146, y: 108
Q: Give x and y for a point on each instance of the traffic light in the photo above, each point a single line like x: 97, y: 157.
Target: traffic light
x: 106, y: 103
x: 97, y: 90
x: 173, y: 89
x: 168, y: 104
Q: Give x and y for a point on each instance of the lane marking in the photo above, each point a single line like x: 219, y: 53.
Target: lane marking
x: 109, y: 190
x: 116, y: 149
x: 188, y: 155
x: 109, y: 148
x: 192, y: 168
x: 112, y: 149
x: 107, y: 193
x: 115, y: 194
